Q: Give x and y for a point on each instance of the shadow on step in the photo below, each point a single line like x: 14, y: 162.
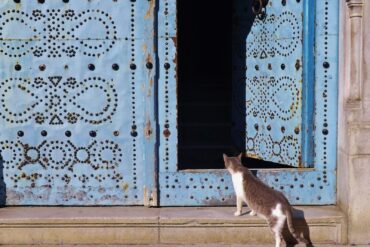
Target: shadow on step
x: 301, y: 227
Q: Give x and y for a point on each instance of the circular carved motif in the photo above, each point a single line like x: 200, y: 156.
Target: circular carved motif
x: 62, y: 156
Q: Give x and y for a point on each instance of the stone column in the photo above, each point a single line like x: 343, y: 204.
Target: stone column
x: 355, y: 50
x: 353, y: 173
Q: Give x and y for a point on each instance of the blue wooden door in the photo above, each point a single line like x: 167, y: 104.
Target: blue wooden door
x: 80, y: 102
x: 76, y: 102
x: 284, y: 102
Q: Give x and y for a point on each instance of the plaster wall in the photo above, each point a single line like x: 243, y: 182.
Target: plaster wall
x: 354, y: 119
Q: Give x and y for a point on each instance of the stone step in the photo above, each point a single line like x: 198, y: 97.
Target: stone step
x: 151, y: 226
x: 176, y: 245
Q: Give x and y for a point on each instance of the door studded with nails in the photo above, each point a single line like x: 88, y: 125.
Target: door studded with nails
x: 84, y: 85
x: 75, y: 108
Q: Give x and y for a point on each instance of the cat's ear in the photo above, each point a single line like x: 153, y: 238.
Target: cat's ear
x: 240, y: 156
x: 225, y: 157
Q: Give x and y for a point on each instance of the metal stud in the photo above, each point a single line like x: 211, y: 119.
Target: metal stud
x: 133, y: 66
x: 166, y: 133
x: 42, y: 67
x: 92, y: 133
x: 167, y: 66
x: 44, y: 133
x: 115, y: 67
x: 68, y: 133
x: 149, y: 65
x: 20, y: 133
x: 297, y: 64
x: 133, y: 133
x: 17, y: 67
x: 91, y: 67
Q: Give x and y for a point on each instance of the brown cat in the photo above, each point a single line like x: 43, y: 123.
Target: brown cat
x: 262, y: 200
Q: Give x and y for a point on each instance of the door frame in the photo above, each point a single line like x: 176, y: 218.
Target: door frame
x: 302, y: 186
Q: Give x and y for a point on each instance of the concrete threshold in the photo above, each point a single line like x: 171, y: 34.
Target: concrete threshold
x: 184, y: 245
x: 139, y: 225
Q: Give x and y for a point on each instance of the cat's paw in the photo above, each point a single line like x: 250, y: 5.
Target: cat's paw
x: 237, y: 213
x: 252, y: 213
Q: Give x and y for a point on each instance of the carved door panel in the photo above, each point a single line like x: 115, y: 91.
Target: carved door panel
x: 273, y: 76
x: 274, y: 93
x: 74, y: 101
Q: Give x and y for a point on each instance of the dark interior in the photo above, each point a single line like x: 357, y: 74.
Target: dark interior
x: 204, y: 82
x: 211, y: 58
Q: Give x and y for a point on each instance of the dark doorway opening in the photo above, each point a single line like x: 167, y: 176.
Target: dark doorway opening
x: 204, y: 83
x: 211, y: 59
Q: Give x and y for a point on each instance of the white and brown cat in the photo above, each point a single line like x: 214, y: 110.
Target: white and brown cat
x: 262, y: 200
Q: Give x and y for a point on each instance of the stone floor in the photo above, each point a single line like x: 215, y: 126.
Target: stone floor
x: 188, y: 245
x: 193, y: 245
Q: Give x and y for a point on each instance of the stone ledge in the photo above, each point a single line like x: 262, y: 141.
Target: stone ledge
x: 78, y: 215
x: 139, y: 225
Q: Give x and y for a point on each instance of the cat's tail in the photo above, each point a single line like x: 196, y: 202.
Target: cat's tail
x: 289, y: 217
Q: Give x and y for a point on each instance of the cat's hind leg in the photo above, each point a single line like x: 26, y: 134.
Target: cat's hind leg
x: 277, y: 239
x: 252, y: 213
x: 239, y: 206
x: 276, y: 230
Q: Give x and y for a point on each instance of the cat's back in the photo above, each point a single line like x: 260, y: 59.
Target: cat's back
x: 261, y: 194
